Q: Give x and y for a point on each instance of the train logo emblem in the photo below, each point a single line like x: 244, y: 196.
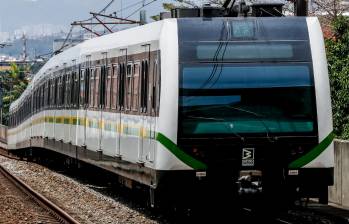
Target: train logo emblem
x: 247, y: 157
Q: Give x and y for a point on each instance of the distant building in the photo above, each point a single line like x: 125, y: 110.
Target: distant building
x: 5, y: 62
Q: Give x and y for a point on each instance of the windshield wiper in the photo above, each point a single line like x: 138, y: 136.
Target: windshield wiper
x: 205, y: 118
x: 222, y: 123
x: 259, y: 116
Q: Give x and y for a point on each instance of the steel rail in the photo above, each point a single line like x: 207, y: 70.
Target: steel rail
x: 53, y: 209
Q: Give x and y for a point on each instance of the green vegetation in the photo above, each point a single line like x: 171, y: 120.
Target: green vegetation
x: 338, y: 63
x: 13, y: 83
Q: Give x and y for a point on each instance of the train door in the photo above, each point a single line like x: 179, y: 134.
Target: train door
x: 154, y: 99
x: 148, y: 116
x: 122, y: 101
x: 74, y: 103
x: 102, y: 105
x: 142, y: 146
x: 115, y: 107
x: 80, y: 128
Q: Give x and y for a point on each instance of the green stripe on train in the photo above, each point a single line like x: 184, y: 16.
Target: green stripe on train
x: 180, y: 154
x: 312, y: 154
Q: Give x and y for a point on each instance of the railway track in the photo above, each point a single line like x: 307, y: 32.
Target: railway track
x: 30, y: 206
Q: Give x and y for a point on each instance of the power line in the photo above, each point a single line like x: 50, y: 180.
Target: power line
x: 143, y: 6
x: 65, y: 40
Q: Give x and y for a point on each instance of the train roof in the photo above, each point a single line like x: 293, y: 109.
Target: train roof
x: 149, y: 32
x: 268, y: 28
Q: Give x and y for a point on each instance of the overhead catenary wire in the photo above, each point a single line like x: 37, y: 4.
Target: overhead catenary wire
x: 133, y: 5
x: 143, y: 6
x: 72, y: 27
x: 65, y: 40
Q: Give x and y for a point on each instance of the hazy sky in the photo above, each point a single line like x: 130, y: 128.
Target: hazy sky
x: 14, y: 14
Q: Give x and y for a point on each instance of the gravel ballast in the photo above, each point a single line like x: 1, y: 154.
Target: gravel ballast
x: 81, y: 202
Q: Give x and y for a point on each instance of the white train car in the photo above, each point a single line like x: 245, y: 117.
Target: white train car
x: 179, y: 104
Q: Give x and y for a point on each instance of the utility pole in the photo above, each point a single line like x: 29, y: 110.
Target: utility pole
x: 300, y: 8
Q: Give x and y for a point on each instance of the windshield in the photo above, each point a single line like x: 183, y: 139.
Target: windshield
x: 236, y: 99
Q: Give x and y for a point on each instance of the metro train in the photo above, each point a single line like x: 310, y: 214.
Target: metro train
x: 185, y: 104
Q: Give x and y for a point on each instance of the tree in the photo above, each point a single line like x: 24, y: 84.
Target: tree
x: 338, y: 63
x: 14, y: 83
x: 328, y: 10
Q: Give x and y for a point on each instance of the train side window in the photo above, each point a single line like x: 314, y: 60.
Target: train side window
x: 155, y: 88
x: 108, y: 88
x: 87, y: 87
x: 67, y: 90
x: 63, y: 91
x: 41, y: 97
x: 144, y: 86
x: 128, y: 86
x: 102, y: 85
x: 135, y: 86
x: 82, y: 88
x: 77, y: 88
x: 54, y: 93
x: 72, y: 90
x: 49, y: 93
x: 122, y: 72
x: 114, y: 87
x: 97, y: 87
x: 92, y: 88
x: 38, y: 100
x: 35, y: 105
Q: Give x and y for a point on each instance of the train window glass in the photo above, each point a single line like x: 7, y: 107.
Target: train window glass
x: 270, y: 98
x: 144, y: 86
x: 92, y: 87
x: 48, y: 90
x: 51, y: 93
x: 87, y: 87
x: 135, y: 86
x: 245, y: 51
x: 63, y: 90
x: 82, y: 88
x: 114, y: 87
x: 102, y: 85
x: 68, y: 90
x: 97, y: 87
x: 154, y: 87
x: 108, y: 88
x: 54, y: 95
x: 41, y: 97
x: 242, y: 76
x: 122, y: 72
x: 72, y: 89
x: 277, y: 28
x: 128, y: 86
x: 77, y: 88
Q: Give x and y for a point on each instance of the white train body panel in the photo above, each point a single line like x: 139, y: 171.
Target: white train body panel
x: 323, y: 93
